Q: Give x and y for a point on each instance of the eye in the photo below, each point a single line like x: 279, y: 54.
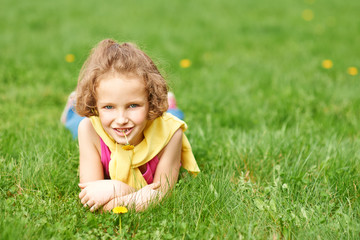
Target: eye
x: 133, y: 105
x: 108, y: 107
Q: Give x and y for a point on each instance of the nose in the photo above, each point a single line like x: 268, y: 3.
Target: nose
x: 121, y: 118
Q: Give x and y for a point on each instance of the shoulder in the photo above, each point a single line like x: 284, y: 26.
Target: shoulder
x: 87, y: 133
x: 175, y: 141
x: 85, y: 127
x: 177, y: 137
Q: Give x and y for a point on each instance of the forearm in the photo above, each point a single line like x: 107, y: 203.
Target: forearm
x: 138, y: 200
x: 98, y: 193
x: 121, y: 189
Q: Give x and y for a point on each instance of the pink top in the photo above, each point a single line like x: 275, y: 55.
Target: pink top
x: 105, y: 159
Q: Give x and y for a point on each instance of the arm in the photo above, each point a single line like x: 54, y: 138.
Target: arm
x: 89, y: 153
x: 95, y: 191
x: 166, y: 175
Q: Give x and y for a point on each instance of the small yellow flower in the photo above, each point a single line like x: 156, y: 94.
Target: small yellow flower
x: 120, y: 209
x: 70, y: 58
x: 352, y: 71
x: 307, y: 15
x: 327, y: 64
x: 128, y: 147
x: 185, y: 63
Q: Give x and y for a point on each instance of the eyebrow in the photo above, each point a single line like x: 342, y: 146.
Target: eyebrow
x: 138, y: 100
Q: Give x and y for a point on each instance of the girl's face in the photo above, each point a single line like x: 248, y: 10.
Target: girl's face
x: 123, y: 107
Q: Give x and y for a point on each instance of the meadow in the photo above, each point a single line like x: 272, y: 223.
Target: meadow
x: 270, y: 95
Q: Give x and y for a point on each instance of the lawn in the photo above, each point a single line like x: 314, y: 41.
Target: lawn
x: 271, y: 98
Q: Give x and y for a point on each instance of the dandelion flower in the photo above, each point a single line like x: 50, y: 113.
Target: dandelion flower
x: 120, y: 209
x: 70, y: 58
x: 185, y: 63
x: 352, y: 71
x: 327, y: 64
x: 128, y: 146
x: 307, y: 15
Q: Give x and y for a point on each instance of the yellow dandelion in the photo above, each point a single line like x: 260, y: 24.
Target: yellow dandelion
x: 307, y: 15
x: 128, y: 147
x: 352, y: 71
x: 70, y: 58
x: 120, y: 209
x: 327, y: 64
x: 185, y: 63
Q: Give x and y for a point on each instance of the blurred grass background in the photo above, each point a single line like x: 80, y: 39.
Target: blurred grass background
x: 275, y: 133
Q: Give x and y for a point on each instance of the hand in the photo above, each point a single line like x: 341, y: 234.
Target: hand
x: 146, y: 195
x: 139, y: 199
x: 97, y: 193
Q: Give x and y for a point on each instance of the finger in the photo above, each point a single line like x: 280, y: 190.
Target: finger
x: 94, y: 207
x: 82, y: 193
x: 84, y: 199
x: 110, y: 205
x: 90, y: 203
x: 106, y: 207
x: 85, y: 184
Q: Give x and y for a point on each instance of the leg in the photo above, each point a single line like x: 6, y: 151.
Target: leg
x: 173, y: 107
x: 69, y: 117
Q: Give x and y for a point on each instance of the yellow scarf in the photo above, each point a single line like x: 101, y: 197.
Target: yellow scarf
x: 124, y: 164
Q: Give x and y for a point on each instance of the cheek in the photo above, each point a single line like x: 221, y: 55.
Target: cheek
x: 140, y: 117
x: 105, y: 119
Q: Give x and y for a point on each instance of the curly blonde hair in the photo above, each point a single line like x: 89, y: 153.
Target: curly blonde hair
x: 110, y: 57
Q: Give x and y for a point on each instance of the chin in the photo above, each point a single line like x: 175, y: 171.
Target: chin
x: 117, y: 139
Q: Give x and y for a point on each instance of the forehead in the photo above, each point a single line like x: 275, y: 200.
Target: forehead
x: 121, y: 76
x: 121, y: 88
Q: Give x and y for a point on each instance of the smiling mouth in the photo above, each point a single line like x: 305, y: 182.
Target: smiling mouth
x: 123, y: 131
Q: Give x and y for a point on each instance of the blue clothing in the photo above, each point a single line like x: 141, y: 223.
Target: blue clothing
x: 72, y: 121
x: 177, y: 113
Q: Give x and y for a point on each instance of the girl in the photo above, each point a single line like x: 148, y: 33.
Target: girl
x: 130, y: 148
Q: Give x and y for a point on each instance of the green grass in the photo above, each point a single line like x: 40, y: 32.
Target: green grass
x: 275, y: 135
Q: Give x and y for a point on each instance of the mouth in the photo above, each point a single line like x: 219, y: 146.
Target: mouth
x: 123, y: 131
